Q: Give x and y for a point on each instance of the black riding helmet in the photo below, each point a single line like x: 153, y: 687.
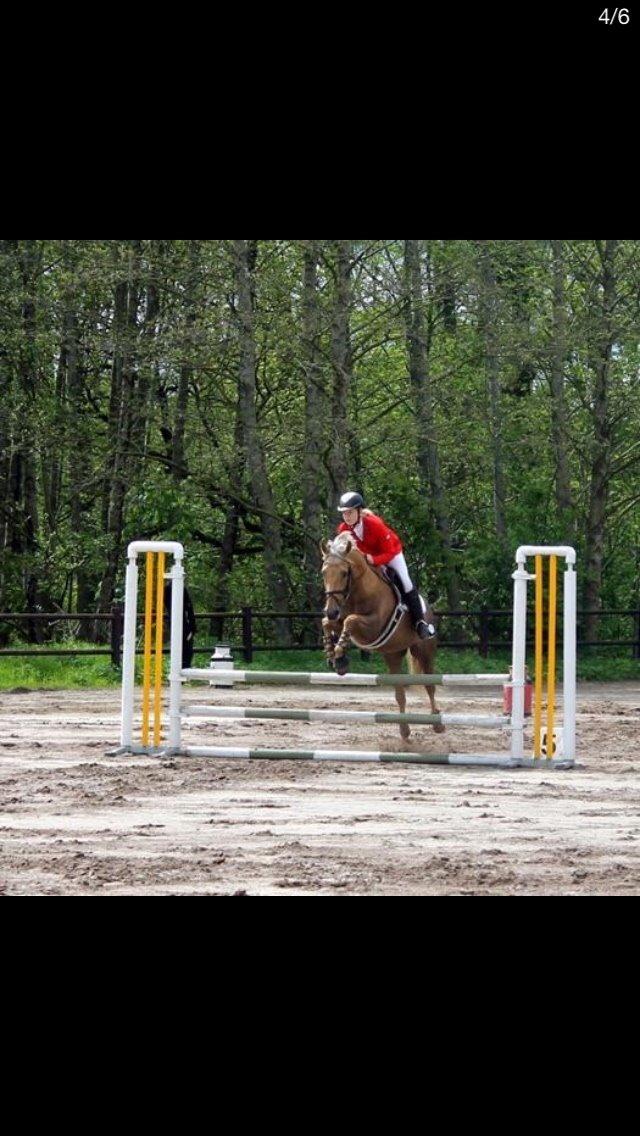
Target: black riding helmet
x: 350, y: 501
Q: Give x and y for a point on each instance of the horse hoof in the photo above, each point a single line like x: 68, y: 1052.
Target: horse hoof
x: 341, y: 666
x: 439, y: 728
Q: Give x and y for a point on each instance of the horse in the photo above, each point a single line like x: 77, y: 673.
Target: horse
x: 361, y: 606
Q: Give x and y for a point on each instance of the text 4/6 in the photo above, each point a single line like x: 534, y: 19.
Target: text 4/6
x: 617, y: 16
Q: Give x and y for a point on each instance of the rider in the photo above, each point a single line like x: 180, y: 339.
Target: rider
x: 380, y: 545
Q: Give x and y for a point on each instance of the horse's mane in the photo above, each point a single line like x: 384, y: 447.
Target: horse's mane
x: 342, y: 544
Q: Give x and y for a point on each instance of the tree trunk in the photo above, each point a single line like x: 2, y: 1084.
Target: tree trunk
x: 76, y: 430
x: 488, y: 321
x: 342, y: 364
x: 122, y: 411
x: 600, y: 445
x: 222, y: 569
x: 147, y: 366
x: 53, y: 446
x: 244, y: 258
x: 446, y: 290
x: 7, y: 396
x: 179, y: 468
x: 25, y: 484
x: 560, y: 442
x: 316, y: 408
x: 422, y: 392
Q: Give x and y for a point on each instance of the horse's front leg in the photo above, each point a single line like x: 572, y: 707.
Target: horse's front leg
x: 340, y: 659
x: 330, y: 634
x: 356, y: 626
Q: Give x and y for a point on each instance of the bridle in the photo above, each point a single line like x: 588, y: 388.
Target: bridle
x: 347, y: 589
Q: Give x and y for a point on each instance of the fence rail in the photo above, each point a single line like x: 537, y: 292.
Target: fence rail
x: 303, y: 638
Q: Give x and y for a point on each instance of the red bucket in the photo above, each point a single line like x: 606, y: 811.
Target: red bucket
x: 507, y: 698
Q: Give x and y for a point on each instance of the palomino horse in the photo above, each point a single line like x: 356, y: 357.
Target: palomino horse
x: 359, y: 606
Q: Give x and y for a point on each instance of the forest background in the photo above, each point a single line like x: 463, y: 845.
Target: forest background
x: 480, y: 394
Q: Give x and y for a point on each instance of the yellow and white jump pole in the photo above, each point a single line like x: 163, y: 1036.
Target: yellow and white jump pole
x: 155, y: 577
x: 148, y: 626
x: 521, y: 578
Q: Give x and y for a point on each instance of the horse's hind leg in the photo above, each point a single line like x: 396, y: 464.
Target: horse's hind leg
x: 422, y: 660
x: 394, y: 663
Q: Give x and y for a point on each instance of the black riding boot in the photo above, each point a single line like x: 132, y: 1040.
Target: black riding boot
x: 424, y: 629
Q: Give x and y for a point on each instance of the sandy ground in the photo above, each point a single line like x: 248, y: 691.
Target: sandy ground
x: 75, y: 822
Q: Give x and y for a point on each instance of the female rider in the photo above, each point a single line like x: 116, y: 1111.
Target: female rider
x: 381, y: 545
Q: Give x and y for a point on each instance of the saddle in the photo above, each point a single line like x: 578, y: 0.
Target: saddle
x: 390, y: 577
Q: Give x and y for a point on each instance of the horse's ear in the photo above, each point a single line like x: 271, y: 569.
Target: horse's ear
x: 324, y: 547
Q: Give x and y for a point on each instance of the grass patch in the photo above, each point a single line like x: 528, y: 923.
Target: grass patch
x: 58, y: 672
x: 89, y: 671
x: 447, y: 661
x: 601, y: 667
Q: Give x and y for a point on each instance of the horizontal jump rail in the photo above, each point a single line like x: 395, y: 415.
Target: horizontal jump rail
x: 310, y: 678
x: 496, y: 759
x: 373, y: 717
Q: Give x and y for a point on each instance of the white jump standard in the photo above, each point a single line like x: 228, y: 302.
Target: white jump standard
x: 515, y: 723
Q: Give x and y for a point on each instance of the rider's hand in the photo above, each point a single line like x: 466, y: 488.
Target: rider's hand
x: 369, y: 558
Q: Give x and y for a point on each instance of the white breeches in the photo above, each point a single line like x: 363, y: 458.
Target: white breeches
x: 400, y: 565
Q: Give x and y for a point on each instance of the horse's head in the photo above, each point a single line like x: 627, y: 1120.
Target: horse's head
x: 339, y: 558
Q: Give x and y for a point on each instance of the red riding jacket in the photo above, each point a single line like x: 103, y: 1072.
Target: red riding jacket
x: 377, y: 538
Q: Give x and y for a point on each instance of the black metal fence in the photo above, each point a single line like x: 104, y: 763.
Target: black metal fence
x: 248, y: 630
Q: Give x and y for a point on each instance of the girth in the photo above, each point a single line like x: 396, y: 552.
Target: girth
x: 391, y: 625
